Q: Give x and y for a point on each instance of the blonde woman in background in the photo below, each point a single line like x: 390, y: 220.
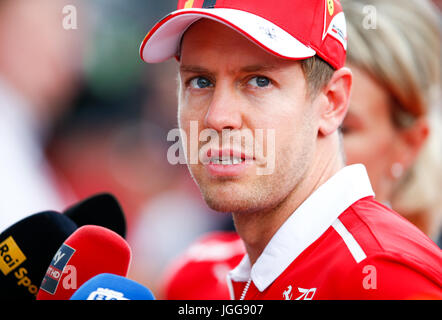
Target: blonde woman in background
x: 393, y: 123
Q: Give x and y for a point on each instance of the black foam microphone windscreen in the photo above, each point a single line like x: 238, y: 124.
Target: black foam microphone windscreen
x: 102, y: 210
x: 27, y: 249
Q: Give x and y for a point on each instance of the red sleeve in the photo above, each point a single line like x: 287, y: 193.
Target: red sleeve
x: 386, y: 277
x: 200, y: 273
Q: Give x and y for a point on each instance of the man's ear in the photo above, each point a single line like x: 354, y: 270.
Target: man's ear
x: 336, y: 96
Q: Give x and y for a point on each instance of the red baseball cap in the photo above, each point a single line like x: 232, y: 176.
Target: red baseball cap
x: 290, y: 29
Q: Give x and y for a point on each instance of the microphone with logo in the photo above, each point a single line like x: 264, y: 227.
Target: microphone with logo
x: 112, y: 287
x: 26, y: 249
x: 102, y: 210
x: 89, y: 251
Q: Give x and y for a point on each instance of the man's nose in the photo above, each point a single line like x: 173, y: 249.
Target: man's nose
x: 224, y: 111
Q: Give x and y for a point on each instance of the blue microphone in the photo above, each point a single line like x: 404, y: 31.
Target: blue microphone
x: 108, y: 286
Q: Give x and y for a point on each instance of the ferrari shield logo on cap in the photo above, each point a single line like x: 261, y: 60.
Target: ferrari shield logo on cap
x: 189, y: 4
x: 331, y: 7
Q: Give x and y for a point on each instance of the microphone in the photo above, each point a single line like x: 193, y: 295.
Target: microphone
x: 102, y: 210
x: 107, y: 286
x: 89, y: 251
x: 26, y: 249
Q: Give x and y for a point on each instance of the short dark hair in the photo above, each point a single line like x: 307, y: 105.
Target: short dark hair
x: 317, y: 73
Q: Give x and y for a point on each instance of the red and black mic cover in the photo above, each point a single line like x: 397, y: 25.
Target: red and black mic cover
x: 89, y: 251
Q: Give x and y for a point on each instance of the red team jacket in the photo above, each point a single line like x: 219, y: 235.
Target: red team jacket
x: 339, y: 244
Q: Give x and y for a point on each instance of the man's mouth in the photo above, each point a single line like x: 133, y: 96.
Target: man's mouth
x: 227, y: 157
x: 226, y: 162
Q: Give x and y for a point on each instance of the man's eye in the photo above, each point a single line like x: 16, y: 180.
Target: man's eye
x: 200, y: 83
x: 259, y: 82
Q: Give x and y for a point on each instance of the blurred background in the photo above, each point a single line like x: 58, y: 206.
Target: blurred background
x: 80, y: 113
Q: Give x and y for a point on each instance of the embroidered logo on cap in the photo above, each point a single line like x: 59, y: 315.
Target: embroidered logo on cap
x: 209, y: 4
x: 331, y: 7
x: 334, y: 23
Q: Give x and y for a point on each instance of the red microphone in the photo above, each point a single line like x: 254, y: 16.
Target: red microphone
x: 89, y: 251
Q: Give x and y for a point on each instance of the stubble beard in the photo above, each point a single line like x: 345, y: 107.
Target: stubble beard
x: 253, y: 194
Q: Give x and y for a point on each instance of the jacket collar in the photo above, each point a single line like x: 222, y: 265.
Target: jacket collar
x: 307, y: 223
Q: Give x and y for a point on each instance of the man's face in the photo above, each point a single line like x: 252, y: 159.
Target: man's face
x: 229, y: 83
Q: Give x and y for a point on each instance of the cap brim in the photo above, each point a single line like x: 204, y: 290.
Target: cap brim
x: 163, y: 41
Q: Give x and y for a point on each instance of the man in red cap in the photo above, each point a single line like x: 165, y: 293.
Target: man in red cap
x: 310, y: 225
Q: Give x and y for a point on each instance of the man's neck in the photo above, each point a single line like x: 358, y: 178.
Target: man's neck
x: 257, y: 229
